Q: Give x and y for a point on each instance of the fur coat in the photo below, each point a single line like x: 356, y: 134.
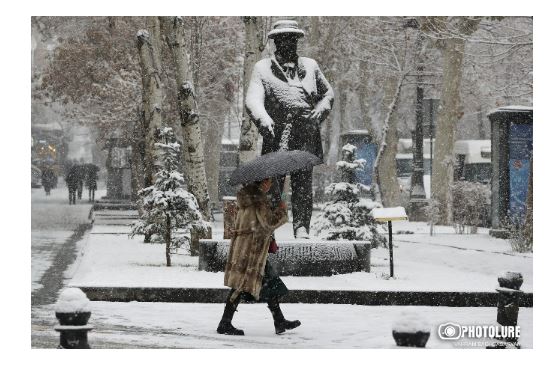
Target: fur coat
x: 254, y: 224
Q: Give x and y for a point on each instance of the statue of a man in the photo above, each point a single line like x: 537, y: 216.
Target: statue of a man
x: 288, y: 98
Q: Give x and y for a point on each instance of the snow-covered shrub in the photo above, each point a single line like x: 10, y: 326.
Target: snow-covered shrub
x: 433, y: 212
x: 520, y: 236
x: 347, y: 216
x: 170, y: 211
x: 470, y: 200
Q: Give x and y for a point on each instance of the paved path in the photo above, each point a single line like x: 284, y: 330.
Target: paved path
x: 56, y: 227
x: 193, y: 325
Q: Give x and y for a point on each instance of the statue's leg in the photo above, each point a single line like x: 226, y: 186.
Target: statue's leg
x: 302, y: 198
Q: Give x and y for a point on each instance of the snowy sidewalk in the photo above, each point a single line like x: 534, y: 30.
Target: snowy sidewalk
x: 173, y: 325
x: 422, y: 263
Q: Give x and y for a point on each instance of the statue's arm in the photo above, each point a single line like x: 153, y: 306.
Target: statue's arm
x: 324, y: 90
x: 254, y: 104
x: 326, y: 94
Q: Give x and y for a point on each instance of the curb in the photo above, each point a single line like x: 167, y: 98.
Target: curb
x: 215, y: 295
x: 111, y: 206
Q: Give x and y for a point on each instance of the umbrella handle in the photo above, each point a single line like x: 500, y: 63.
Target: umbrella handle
x: 283, y: 195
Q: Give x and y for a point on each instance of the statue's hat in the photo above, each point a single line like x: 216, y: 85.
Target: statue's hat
x: 285, y: 27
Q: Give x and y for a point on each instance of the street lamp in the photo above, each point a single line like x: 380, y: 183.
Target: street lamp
x: 417, y: 191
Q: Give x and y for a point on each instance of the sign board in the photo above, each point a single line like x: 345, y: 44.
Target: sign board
x: 520, y: 152
x: 389, y: 214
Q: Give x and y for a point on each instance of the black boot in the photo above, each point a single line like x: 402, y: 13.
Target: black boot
x: 225, y: 327
x: 280, y: 323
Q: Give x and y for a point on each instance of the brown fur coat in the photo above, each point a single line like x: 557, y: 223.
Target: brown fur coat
x: 254, y: 224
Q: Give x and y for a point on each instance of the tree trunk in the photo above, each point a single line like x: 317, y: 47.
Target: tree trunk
x: 364, y: 96
x: 253, y: 48
x: 192, y: 138
x: 212, y: 147
x: 153, y: 99
x: 449, y: 115
x: 168, y: 240
x: 136, y: 166
x: 344, y: 125
x: 155, y: 31
x: 386, y: 188
x: 450, y: 111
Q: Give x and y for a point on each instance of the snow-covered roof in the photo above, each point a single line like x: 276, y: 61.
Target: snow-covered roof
x: 405, y: 146
x: 231, y: 141
x: 510, y: 109
x: 407, y: 156
x: 474, y: 150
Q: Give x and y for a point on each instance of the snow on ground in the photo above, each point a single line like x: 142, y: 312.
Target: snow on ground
x: 53, y: 221
x: 54, y: 213
x: 444, y: 262
x: 186, y: 325
x: 43, y: 251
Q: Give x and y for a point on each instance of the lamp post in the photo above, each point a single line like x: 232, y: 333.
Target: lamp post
x: 417, y: 190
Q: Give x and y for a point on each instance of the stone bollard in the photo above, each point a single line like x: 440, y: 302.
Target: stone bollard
x: 509, y: 294
x: 72, y: 311
x: 230, y: 211
x: 508, y: 299
x: 411, y: 331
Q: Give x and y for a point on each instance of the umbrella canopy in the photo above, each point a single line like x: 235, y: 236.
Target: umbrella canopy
x: 273, y: 164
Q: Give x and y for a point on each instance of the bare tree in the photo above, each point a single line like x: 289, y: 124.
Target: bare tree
x: 451, y: 33
x: 386, y: 46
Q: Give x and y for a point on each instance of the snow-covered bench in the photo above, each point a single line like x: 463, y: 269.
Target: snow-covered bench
x: 298, y: 257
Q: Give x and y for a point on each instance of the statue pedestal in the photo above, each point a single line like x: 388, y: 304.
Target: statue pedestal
x: 297, y: 257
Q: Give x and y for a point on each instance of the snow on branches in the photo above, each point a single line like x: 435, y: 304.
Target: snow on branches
x: 348, y: 216
x: 170, y: 211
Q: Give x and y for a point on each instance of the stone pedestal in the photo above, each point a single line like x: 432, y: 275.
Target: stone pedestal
x: 508, y: 306
x: 230, y: 212
x: 73, y: 337
x: 297, y: 257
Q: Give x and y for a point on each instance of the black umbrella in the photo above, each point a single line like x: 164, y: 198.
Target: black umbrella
x: 272, y: 165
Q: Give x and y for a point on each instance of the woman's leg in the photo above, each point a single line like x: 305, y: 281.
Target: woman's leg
x: 225, y: 326
x: 280, y: 323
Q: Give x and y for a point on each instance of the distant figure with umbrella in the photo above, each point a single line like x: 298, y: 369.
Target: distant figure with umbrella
x: 247, y: 271
x: 73, y: 179
x: 91, y: 180
x: 48, y: 179
x: 288, y: 98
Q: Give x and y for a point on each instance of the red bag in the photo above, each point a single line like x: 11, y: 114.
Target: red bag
x: 273, y: 247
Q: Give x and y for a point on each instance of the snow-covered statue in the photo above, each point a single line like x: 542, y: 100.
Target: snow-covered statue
x: 288, y: 98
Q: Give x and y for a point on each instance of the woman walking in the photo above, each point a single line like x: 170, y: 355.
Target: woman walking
x: 247, y: 270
